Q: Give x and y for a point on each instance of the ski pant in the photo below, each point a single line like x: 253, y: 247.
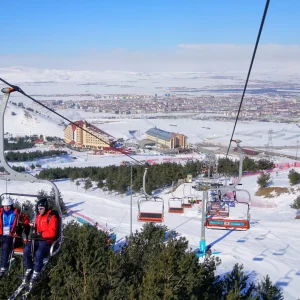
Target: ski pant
x: 7, y: 245
x: 41, y: 250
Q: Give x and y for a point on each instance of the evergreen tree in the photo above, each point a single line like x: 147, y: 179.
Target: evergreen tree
x: 296, y: 204
x: 263, y: 179
x: 77, y: 183
x: 80, y: 270
x: 87, y: 184
x: 294, y: 177
x: 11, y: 280
x: 264, y: 164
x: 61, y: 201
x: 266, y: 290
x: 235, y: 285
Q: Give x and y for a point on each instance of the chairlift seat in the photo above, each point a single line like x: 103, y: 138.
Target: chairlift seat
x: 150, y: 217
x: 18, y: 251
x: 212, y: 212
x: 178, y: 210
x: 224, y: 213
x: 227, y: 224
x: 216, y: 207
x: 175, y: 205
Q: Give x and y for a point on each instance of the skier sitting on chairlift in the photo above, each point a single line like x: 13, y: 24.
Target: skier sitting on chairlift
x: 46, y: 225
x: 12, y: 224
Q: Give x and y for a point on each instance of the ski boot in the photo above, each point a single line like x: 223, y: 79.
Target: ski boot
x: 2, y: 272
x: 34, y: 277
x: 27, y: 275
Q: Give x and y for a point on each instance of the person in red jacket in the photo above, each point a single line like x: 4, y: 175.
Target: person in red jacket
x: 46, y: 226
x: 12, y: 224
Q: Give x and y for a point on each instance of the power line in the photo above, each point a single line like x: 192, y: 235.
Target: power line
x: 18, y: 89
x: 249, y: 71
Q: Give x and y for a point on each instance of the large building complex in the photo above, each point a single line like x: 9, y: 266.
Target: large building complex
x: 77, y: 136
x: 167, y: 139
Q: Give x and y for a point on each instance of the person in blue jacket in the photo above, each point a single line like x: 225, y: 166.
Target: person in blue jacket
x: 10, y: 224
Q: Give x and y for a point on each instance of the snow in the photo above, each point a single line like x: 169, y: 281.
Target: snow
x: 113, y: 82
x: 271, y: 246
x: 28, y: 123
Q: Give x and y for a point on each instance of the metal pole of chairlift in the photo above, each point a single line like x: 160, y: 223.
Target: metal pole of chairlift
x: 202, y: 244
x: 297, y: 150
x: 144, y: 184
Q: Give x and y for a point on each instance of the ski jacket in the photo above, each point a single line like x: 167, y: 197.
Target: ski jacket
x: 47, y: 226
x: 13, y: 218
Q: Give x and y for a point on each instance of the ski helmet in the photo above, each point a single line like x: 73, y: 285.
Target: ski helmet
x: 43, y: 202
x: 7, y: 201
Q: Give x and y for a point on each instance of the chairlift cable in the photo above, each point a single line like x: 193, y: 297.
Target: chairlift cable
x: 249, y: 71
x: 185, y: 222
x: 18, y: 89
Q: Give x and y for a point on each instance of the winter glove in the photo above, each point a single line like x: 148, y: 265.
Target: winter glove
x: 36, y: 235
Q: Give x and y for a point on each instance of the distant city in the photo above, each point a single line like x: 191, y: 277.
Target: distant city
x: 272, y: 105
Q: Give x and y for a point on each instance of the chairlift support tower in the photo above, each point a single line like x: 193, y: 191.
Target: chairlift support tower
x: 202, y: 243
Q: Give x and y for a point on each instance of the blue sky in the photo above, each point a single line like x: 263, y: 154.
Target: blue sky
x: 148, y: 35
x: 67, y: 26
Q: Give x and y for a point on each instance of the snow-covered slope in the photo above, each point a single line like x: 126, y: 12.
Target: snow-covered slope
x: 26, y: 122
x: 270, y: 246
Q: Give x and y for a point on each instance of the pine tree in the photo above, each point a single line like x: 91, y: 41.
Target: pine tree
x: 87, y: 184
x: 11, y: 280
x: 79, y: 271
x: 61, y: 201
x: 235, y: 284
x: 77, y: 183
x: 294, y: 177
x: 263, y: 179
x: 268, y: 291
x: 296, y: 203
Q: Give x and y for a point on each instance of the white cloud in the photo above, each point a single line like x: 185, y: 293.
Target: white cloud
x: 184, y: 57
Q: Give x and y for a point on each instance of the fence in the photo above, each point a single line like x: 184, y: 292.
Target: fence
x: 86, y: 220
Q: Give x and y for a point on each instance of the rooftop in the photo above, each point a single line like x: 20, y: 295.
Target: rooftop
x: 161, y: 134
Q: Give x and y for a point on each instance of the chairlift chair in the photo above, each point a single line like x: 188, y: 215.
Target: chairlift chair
x: 238, y: 224
x: 186, y: 202
x: 12, y: 175
x: 175, y: 208
x: 217, y: 209
x: 150, y: 216
x: 186, y: 199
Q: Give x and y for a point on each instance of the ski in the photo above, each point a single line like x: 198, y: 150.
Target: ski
x: 18, y: 291
x: 28, y: 290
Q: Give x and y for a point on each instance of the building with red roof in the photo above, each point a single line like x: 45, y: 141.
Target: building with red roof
x: 85, y: 135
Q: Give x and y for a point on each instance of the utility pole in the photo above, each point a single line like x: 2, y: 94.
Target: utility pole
x: 297, y: 150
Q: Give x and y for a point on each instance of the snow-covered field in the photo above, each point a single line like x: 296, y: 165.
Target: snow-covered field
x: 51, y: 81
x: 254, y: 134
x: 270, y: 246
